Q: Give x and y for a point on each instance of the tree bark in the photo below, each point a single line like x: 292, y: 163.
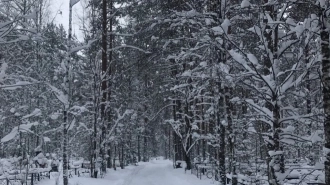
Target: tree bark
x: 231, y: 137
x: 189, y: 140
x: 65, y: 145
x: 66, y: 106
x: 271, y: 36
x: 104, y: 83
x: 222, y: 144
x: 111, y: 70
x: 139, y: 148
x: 326, y: 90
x: 219, y: 8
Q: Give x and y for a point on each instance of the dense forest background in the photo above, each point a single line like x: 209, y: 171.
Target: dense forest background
x: 244, y: 83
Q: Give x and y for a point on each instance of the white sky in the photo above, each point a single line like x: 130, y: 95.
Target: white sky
x: 63, y: 6
x: 78, y: 12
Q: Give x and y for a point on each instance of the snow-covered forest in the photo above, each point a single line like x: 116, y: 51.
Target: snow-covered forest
x: 237, y: 91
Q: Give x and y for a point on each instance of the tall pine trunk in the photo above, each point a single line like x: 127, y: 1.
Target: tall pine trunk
x: 219, y: 8
x: 65, y: 148
x: 138, y: 147
x: 326, y: 90
x: 189, y: 140
x: 231, y: 137
x: 275, y: 161
x: 66, y: 105
x: 104, y: 83
x: 222, y: 145
x: 111, y: 70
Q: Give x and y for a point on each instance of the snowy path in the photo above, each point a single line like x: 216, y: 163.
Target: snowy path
x: 156, y: 172
x: 160, y: 173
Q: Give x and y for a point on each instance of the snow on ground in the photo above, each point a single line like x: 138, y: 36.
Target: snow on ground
x: 155, y: 172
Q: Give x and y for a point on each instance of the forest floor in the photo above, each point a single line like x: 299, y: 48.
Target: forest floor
x: 155, y: 172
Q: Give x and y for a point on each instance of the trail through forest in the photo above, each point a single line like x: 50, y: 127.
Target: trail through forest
x: 155, y: 172
x: 236, y: 88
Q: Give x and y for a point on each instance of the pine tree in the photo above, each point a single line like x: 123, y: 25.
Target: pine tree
x: 324, y: 31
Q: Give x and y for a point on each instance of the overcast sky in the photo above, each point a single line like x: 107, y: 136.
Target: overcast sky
x: 78, y: 11
x: 63, y: 6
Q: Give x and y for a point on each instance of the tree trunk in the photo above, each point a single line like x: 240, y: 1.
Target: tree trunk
x: 222, y: 145
x: 169, y: 143
x: 110, y: 72
x: 145, y: 145
x: 189, y: 140
x: 66, y: 106
x: 109, y: 163
x: 326, y: 90
x: 231, y: 137
x: 65, y: 148
x: 94, y: 141
x: 122, y: 156
x: 104, y: 84
x: 188, y: 161
x: 275, y: 162
x: 139, y: 152
x: 114, y: 157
